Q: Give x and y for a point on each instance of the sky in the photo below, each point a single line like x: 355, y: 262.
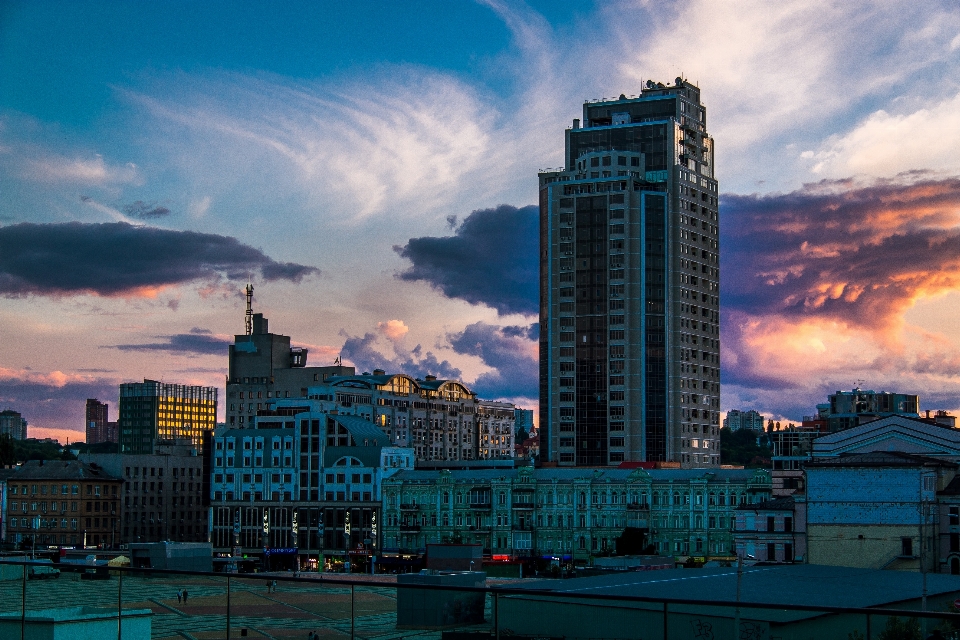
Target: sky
x: 371, y: 168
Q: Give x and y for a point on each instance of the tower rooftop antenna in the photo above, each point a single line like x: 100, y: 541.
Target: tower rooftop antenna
x: 249, y: 315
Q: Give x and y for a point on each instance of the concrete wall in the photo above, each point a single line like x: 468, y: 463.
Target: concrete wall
x: 842, y: 545
x: 77, y: 623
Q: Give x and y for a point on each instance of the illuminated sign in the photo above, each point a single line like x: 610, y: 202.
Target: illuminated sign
x: 266, y: 522
x: 295, y: 527
x: 346, y: 523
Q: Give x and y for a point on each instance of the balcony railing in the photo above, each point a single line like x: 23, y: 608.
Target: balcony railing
x: 227, y: 604
x: 409, y: 506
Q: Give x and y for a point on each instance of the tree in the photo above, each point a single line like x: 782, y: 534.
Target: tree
x: 897, y: 629
x: 7, y: 453
x: 740, y: 447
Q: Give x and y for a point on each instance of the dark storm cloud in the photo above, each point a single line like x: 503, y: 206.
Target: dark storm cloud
x: 197, y: 341
x: 141, y: 209
x: 362, y: 353
x: 860, y: 255
x: 491, y: 260
x: 509, y: 351
x: 119, y: 258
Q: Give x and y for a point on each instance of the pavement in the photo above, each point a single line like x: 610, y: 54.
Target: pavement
x: 292, y: 611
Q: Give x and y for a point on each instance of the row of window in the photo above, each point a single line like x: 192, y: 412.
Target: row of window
x: 54, y: 523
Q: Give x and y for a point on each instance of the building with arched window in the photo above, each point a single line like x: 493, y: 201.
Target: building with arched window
x: 579, y: 513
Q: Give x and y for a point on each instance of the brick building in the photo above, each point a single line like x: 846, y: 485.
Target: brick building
x: 63, y: 502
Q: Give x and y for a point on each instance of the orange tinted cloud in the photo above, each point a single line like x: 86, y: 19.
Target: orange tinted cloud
x: 860, y: 256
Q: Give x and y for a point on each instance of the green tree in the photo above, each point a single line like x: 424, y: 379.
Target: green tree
x: 897, y: 629
x: 8, y: 455
x: 741, y: 447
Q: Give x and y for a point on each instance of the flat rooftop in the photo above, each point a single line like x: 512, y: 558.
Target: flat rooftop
x: 797, y: 584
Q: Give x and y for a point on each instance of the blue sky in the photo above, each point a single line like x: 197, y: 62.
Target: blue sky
x: 370, y: 167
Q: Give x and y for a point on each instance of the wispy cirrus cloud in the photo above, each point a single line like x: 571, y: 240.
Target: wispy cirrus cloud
x: 116, y: 259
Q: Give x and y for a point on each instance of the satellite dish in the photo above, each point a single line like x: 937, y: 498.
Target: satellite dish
x: 679, y: 81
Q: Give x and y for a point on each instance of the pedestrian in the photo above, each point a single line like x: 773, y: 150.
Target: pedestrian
x: 179, y: 595
x: 274, y: 586
x: 184, y: 596
x: 268, y: 586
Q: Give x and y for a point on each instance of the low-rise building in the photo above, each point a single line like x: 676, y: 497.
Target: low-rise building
x: 575, y: 512
x: 300, y: 486
x: 771, y: 531
x: 875, y: 510
x: 163, y: 496
x: 63, y: 502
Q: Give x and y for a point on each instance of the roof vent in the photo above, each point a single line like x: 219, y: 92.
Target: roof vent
x: 379, y: 372
x: 430, y: 378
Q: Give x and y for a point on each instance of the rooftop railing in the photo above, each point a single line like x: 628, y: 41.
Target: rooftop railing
x: 139, y: 604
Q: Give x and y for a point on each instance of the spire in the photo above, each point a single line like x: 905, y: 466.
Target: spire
x: 249, y: 314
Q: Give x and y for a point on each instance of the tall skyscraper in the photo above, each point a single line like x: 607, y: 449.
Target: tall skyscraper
x: 630, y: 285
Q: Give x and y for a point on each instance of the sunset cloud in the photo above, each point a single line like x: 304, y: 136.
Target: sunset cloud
x: 394, y: 330
x: 856, y: 254
x: 367, y: 353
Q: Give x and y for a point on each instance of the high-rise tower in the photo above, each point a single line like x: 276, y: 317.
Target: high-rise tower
x: 630, y: 285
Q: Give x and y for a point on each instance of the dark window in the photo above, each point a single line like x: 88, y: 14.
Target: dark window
x: 788, y: 552
x: 955, y: 542
x: 770, y: 523
x: 954, y: 516
x: 788, y: 524
x: 906, y: 546
x: 771, y: 551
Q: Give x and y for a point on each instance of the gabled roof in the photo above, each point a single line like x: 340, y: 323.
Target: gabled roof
x: 952, y: 489
x: 60, y: 470
x: 893, y: 433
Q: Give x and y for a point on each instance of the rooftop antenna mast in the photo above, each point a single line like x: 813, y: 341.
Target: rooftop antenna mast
x: 249, y: 314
